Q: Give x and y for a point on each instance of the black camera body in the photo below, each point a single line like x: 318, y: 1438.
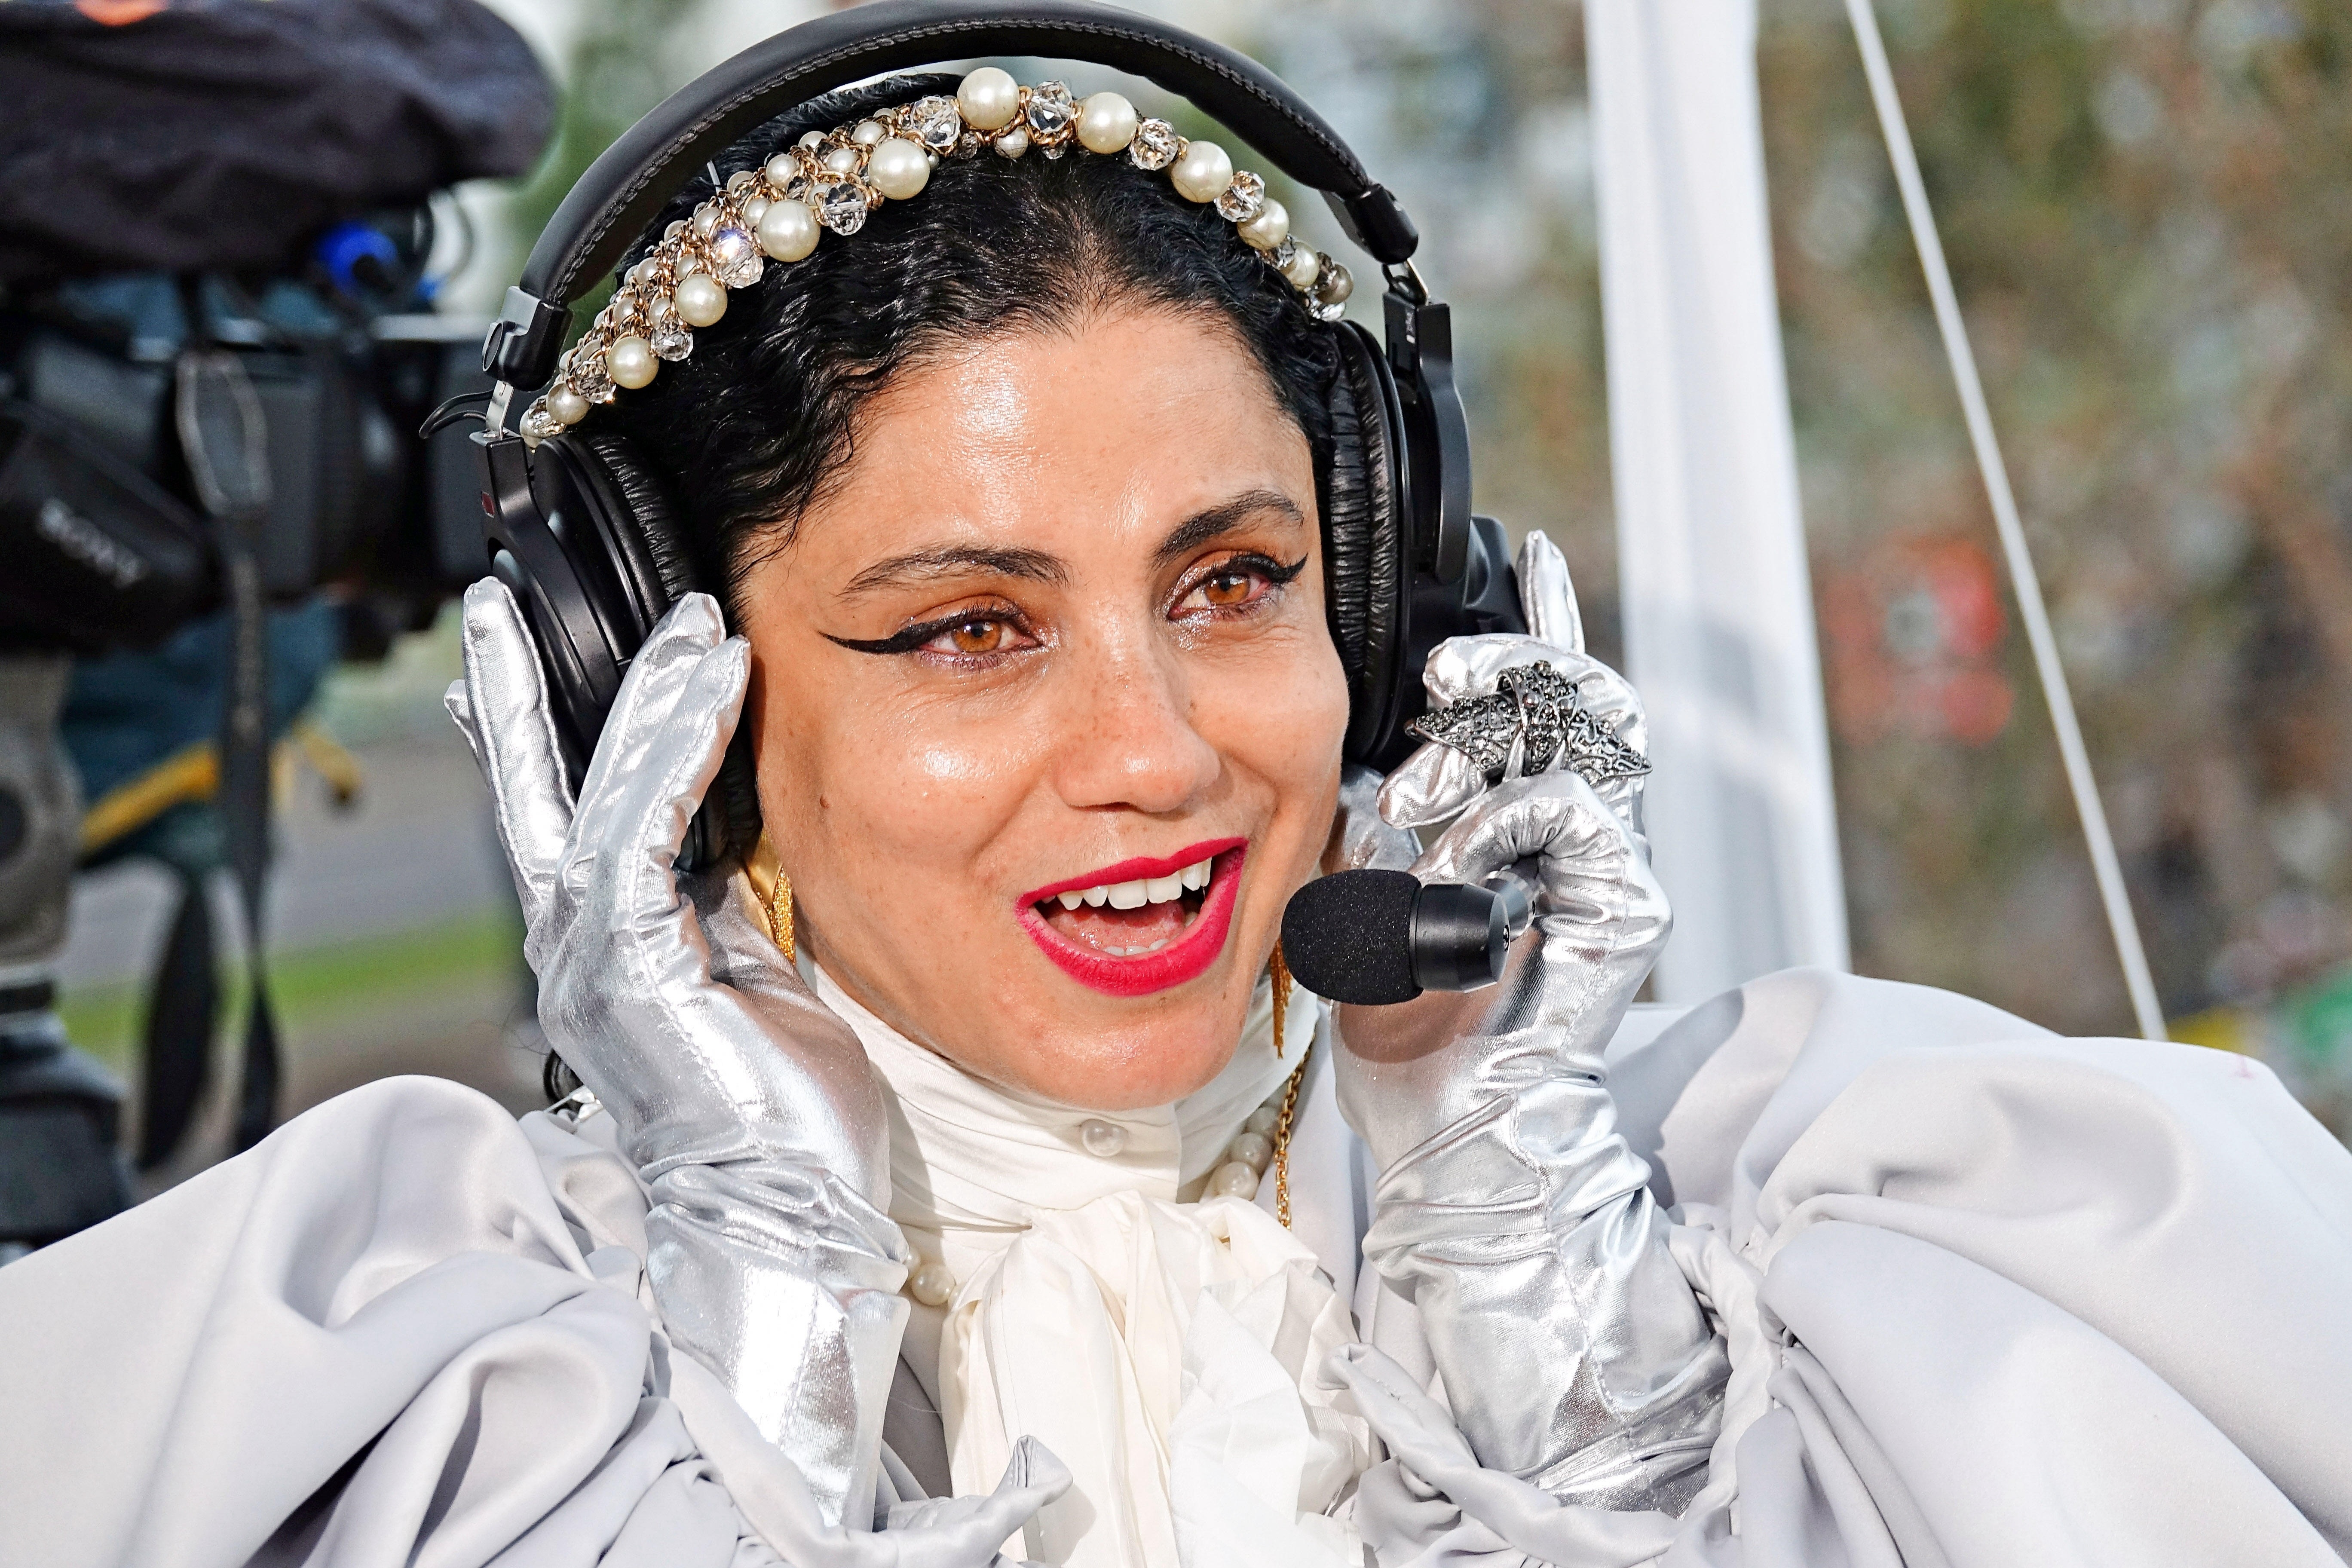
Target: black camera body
x: 107, y: 546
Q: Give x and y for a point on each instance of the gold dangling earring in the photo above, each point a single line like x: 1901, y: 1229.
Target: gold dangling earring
x: 764, y: 863
x: 780, y: 916
x: 1279, y: 973
x: 1287, y: 1116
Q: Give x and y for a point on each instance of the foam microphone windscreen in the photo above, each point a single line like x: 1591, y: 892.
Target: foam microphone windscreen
x: 1349, y: 936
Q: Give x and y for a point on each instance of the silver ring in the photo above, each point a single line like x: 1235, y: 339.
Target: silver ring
x: 1536, y: 719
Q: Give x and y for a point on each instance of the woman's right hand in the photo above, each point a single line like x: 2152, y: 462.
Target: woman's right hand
x: 748, y: 1110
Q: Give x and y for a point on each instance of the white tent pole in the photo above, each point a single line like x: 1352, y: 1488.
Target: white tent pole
x: 1717, y: 588
x: 2030, y: 607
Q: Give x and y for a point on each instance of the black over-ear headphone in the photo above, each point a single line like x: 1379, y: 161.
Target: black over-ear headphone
x: 581, y: 533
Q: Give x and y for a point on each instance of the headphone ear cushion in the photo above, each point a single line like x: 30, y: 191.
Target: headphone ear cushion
x: 652, y: 548
x: 1347, y: 527
x: 1364, y: 543
x: 650, y: 544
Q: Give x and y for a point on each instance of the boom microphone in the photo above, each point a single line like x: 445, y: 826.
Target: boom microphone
x: 1376, y: 937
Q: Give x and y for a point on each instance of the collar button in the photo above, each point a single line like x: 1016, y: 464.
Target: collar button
x: 1102, y: 1139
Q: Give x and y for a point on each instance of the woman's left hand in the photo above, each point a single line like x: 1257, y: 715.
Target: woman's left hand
x: 1508, y: 1208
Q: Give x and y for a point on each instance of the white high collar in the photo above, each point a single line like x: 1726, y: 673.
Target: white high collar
x: 971, y: 1162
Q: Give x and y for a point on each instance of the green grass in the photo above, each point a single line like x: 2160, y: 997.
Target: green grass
x: 315, y: 988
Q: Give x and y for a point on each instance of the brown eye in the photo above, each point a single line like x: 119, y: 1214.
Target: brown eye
x: 977, y: 636
x: 1228, y: 588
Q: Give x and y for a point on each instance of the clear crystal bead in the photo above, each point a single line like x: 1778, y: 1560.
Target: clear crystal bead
x: 539, y: 424
x: 936, y: 123
x: 670, y: 337
x: 1051, y: 112
x: 1328, y: 310
x: 734, y: 257
x: 798, y: 188
x: 1154, y: 146
x: 969, y: 143
x: 1242, y: 200
x: 590, y: 379
x: 841, y: 206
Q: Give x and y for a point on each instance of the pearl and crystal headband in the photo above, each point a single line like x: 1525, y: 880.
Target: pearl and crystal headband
x: 833, y: 181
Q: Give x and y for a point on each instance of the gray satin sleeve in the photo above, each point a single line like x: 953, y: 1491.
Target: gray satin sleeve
x: 1572, y: 1350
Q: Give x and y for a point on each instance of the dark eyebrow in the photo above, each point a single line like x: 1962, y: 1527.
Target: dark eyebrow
x: 1223, y: 518
x: 955, y: 560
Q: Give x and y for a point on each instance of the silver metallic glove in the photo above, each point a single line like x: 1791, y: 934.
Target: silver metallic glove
x: 748, y: 1108
x: 1572, y: 1350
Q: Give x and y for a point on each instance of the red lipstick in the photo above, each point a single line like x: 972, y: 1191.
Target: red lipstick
x: 1186, y: 958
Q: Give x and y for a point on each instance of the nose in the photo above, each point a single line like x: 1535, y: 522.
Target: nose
x: 1129, y: 740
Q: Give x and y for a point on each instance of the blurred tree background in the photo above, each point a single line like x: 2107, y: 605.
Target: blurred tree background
x: 2145, y: 203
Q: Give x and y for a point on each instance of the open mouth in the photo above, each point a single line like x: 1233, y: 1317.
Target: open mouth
x: 1141, y: 925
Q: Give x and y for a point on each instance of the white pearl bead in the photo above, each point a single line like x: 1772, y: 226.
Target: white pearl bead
x: 1301, y: 268
x: 1251, y: 1149
x: 701, y: 299
x: 739, y: 179
x: 933, y: 1284
x: 780, y: 168
x: 866, y: 132
x: 1106, y: 122
x: 1234, y: 1180
x: 1262, y: 1121
x: 705, y: 220
x: 1338, y: 284
x: 841, y: 159
x: 567, y: 406
x: 1102, y: 1139
x: 1268, y: 229
x: 898, y: 169
x: 1013, y: 143
x: 788, y: 230
x: 811, y: 140
x: 989, y: 99
x: 755, y: 210
x: 1202, y: 173
x: 630, y: 362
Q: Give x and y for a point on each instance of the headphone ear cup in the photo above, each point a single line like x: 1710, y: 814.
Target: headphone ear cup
x: 1365, y: 547
x: 649, y: 554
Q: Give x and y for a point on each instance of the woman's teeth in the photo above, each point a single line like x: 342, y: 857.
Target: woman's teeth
x: 1144, y: 890
x: 1128, y: 919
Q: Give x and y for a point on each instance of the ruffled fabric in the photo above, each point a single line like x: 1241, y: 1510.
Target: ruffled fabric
x: 1169, y: 1352
x: 1172, y: 1351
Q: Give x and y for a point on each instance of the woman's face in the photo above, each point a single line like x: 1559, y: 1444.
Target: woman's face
x: 1047, y: 716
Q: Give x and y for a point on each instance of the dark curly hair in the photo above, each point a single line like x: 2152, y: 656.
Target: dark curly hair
x: 748, y: 431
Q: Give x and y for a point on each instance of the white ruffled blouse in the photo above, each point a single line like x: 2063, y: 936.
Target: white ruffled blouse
x: 1165, y: 1345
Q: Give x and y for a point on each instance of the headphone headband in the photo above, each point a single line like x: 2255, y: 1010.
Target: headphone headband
x: 626, y: 188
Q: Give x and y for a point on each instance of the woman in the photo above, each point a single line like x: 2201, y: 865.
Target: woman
x: 972, y: 1179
